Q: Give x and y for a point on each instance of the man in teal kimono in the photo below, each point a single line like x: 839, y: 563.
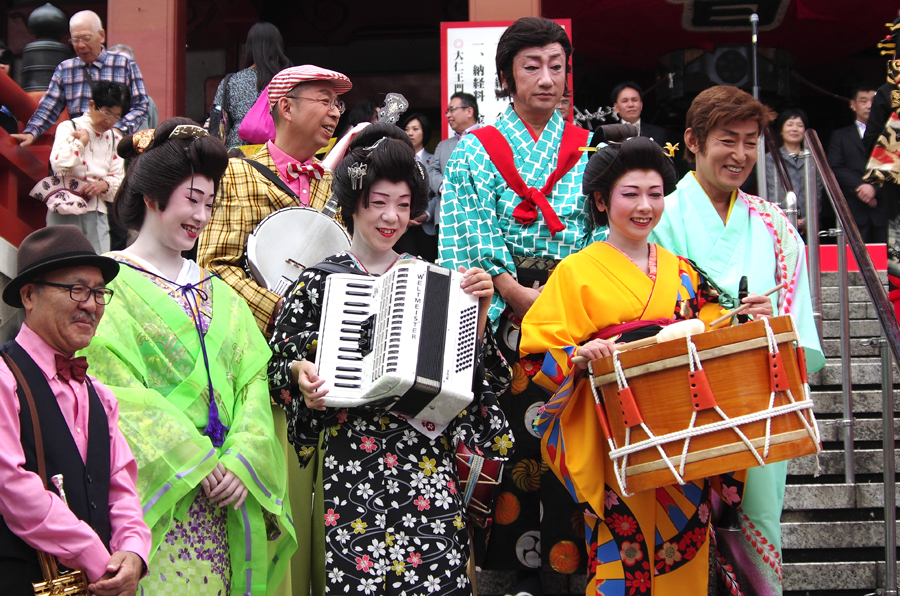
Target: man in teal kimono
x: 730, y: 234
x: 512, y: 205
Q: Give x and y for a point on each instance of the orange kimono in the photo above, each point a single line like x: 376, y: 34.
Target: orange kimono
x: 655, y: 542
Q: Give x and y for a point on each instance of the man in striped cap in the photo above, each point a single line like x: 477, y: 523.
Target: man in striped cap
x: 305, y: 107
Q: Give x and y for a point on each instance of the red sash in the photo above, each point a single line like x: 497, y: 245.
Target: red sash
x: 501, y: 155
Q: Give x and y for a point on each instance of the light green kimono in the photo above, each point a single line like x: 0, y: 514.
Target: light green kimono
x: 147, y: 351
x: 759, y: 242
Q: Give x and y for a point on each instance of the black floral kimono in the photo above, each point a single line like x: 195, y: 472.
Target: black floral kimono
x: 394, y: 518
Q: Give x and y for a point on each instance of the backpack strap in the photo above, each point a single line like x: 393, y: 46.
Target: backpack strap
x: 272, y: 177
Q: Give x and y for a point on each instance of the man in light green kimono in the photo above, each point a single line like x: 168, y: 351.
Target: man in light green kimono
x: 730, y: 234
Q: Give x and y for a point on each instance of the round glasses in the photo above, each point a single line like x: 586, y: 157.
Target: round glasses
x: 85, y: 39
x: 329, y: 103
x: 109, y: 115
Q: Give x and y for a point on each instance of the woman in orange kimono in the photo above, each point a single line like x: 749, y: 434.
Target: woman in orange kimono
x: 656, y: 541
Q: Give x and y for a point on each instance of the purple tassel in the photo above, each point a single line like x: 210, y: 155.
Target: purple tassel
x: 215, y: 430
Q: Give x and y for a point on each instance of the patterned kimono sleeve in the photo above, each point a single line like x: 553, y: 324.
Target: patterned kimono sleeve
x: 482, y: 426
x: 471, y: 233
x: 251, y: 449
x: 557, y: 323
x: 698, y: 297
x: 296, y: 334
x: 296, y: 337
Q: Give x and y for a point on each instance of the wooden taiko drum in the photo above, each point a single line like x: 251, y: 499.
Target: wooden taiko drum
x: 712, y: 403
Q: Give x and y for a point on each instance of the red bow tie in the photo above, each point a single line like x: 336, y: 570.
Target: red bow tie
x: 313, y: 170
x: 71, y: 368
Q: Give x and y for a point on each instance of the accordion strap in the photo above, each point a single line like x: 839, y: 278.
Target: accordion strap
x: 329, y: 267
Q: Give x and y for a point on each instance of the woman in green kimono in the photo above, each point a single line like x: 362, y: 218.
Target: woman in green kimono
x: 211, y: 473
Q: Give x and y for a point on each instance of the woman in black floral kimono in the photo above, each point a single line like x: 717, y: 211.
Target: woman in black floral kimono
x: 394, y: 518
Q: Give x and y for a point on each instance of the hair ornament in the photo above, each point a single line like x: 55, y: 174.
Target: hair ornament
x: 421, y: 169
x: 589, y: 148
x: 372, y: 148
x: 142, y: 139
x: 670, y: 149
x: 188, y: 131
x: 357, y: 172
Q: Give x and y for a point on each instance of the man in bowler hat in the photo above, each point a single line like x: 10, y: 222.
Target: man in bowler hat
x: 61, y: 284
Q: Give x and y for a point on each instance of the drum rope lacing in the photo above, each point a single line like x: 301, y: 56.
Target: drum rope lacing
x: 475, y: 464
x: 726, y: 423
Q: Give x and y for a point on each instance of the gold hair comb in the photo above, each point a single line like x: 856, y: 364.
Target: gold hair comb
x: 142, y: 139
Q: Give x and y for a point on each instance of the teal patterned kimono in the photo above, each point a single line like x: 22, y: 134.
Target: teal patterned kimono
x: 757, y: 241
x: 535, y: 513
x: 477, y: 225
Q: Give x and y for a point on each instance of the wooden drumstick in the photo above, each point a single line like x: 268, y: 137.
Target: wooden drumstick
x: 741, y: 308
x: 676, y: 330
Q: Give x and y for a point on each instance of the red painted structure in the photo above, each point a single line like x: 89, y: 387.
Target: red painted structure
x: 21, y: 169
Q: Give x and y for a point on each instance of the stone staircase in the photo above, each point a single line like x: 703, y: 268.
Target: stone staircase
x: 833, y: 533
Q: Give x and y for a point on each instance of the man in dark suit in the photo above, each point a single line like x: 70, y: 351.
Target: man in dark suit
x: 847, y: 157
x: 462, y: 116
x: 628, y: 102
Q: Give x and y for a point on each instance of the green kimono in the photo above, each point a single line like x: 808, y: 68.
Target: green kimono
x: 148, y: 351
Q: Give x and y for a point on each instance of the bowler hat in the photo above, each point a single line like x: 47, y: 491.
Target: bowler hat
x: 52, y: 248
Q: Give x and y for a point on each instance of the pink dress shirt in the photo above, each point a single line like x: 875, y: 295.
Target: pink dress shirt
x: 38, y: 516
x: 300, y: 185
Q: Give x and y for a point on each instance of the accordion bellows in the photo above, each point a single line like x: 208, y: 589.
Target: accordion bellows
x: 405, y: 340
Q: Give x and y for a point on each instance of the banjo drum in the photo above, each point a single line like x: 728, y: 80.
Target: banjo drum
x: 304, y: 233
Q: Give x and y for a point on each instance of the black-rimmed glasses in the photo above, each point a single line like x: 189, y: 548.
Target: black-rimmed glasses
x: 81, y: 292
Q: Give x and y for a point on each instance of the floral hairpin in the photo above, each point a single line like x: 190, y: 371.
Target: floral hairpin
x: 188, y: 131
x: 670, y: 149
x: 357, y: 172
x: 141, y: 140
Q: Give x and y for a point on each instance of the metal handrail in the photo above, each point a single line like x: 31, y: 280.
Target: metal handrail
x: 891, y: 330
x: 869, y: 274
x: 781, y: 176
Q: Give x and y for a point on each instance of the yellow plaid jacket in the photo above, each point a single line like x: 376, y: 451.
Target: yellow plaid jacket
x: 244, y: 199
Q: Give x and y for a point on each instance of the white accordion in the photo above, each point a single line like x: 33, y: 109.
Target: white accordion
x: 405, y: 339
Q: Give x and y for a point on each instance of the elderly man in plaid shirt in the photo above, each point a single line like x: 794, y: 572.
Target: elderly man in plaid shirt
x: 70, y: 86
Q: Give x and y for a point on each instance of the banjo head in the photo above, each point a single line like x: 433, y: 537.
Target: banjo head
x: 288, y: 241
